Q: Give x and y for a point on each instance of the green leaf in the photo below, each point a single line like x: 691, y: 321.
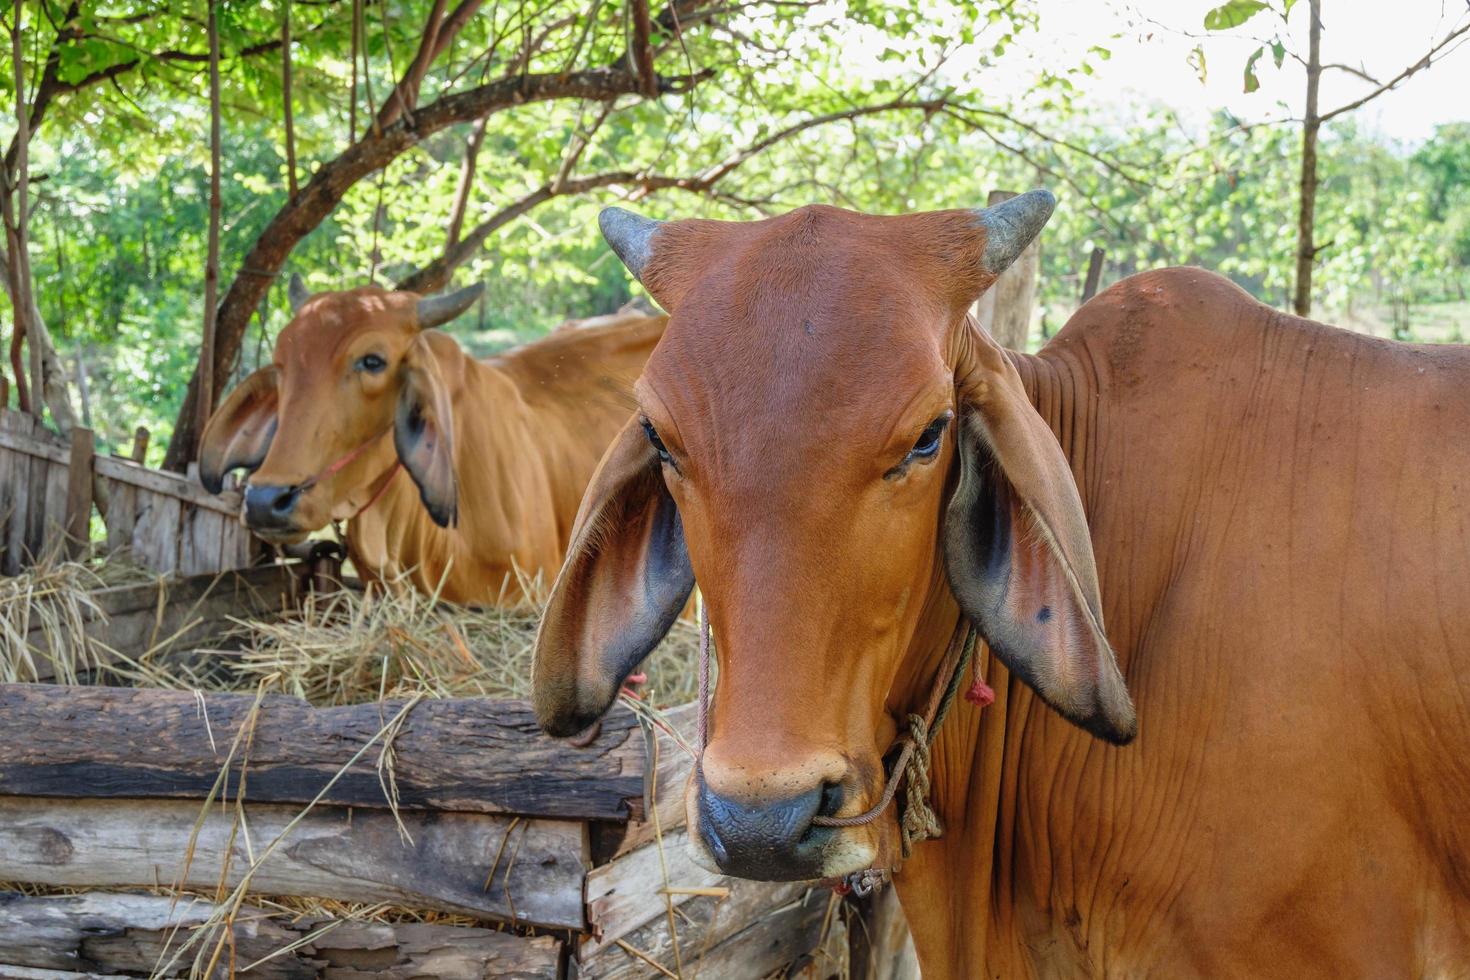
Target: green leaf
x: 1286, y: 8
x: 1278, y: 52
x: 1196, y: 60
x: 1251, y: 81
x: 1232, y: 14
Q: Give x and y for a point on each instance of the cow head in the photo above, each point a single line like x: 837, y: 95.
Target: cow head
x: 313, y: 427
x: 838, y: 455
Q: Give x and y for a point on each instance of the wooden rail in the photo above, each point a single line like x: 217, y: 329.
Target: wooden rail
x: 168, y: 522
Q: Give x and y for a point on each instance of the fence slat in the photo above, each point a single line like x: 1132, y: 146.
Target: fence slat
x: 78, y: 519
x: 1094, y: 274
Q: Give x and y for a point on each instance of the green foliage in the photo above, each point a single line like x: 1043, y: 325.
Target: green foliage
x: 1232, y: 14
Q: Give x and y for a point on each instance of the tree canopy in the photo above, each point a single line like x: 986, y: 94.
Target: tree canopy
x: 437, y: 143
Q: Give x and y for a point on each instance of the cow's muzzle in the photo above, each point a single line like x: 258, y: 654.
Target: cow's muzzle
x: 771, y: 840
x: 270, y: 510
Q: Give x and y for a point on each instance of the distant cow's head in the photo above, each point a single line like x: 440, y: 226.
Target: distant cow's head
x: 313, y: 427
x: 837, y: 453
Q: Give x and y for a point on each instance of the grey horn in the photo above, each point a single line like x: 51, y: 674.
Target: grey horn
x: 631, y: 237
x: 1011, y: 225
x: 297, y: 293
x: 436, y: 310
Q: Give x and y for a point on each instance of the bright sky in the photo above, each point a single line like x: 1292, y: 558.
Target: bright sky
x: 1150, y: 59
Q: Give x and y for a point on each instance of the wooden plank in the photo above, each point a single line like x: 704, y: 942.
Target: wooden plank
x: 172, y: 484
x: 137, y: 933
x: 78, y: 508
x: 16, y: 437
x: 10, y: 490
x: 1094, y: 274
x: 1005, y: 309
x: 766, y: 947
x: 666, y: 791
x: 32, y: 439
x: 448, y: 862
x: 881, y: 947
x: 139, y: 453
x: 121, y: 515
x: 199, y: 540
x: 703, y: 921
x: 469, y: 755
x: 156, y: 531
x: 181, y: 613
x: 42, y: 515
x: 627, y: 894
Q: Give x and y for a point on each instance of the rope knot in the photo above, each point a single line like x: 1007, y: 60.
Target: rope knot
x: 919, y: 823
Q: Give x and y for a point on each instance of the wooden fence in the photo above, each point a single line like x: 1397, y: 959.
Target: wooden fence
x: 577, y: 854
x: 167, y: 522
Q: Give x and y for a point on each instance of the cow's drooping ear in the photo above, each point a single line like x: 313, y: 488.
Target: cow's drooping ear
x: 1018, y: 553
x: 626, y: 578
x: 423, y: 432
x: 239, y: 433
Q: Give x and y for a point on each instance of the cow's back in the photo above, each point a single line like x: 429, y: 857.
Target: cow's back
x: 1282, y: 528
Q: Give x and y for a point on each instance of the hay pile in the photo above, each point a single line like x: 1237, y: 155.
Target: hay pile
x: 354, y: 646
x: 45, y: 615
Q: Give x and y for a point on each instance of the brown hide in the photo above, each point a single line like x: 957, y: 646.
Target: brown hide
x: 1279, y: 516
x: 498, y: 451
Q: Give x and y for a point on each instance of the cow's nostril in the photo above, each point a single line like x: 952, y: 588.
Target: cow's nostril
x: 831, y: 800
x: 285, y: 500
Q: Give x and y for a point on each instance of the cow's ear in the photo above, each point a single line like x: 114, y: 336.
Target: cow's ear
x: 239, y: 433
x: 626, y: 578
x: 1018, y: 553
x: 423, y: 432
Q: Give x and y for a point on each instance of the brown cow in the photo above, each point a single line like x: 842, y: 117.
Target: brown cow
x: 496, y: 453
x: 1280, y: 512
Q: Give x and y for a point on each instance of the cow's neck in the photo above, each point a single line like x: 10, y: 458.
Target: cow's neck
x: 493, y: 536
x: 959, y: 891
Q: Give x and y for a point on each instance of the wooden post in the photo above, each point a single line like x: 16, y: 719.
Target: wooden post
x: 78, y: 520
x: 1094, y: 273
x: 140, y: 444
x: 1005, y: 309
x: 82, y: 389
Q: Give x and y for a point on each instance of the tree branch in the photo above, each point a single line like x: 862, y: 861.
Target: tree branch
x: 1393, y: 82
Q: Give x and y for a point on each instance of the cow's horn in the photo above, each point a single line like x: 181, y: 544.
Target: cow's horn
x: 631, y: 237
x: 434, y: 310
x: 297, y: 292
x: 1011, y: 225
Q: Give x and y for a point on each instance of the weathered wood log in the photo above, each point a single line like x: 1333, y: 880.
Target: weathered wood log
x: 772, y: 942
x: 665, y: 791
x: 473, y: 756
x: 628, y: 893
x: 702, y: 921
x: 97, y: 932
x: 516, y: 870
x: 181, y: 613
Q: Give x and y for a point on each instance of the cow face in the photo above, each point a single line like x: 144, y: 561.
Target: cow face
x: 354, y: 381
x: 838, y: 455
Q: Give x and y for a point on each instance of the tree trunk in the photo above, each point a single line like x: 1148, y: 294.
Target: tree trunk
x: 1306, y: 250
x: 207, y: 378
x: 16, y: 193
x: 296, y: 219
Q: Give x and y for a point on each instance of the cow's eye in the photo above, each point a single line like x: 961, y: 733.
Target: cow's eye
x: 371, y: 363
x: 927, y: 445
x: 655, y: 441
